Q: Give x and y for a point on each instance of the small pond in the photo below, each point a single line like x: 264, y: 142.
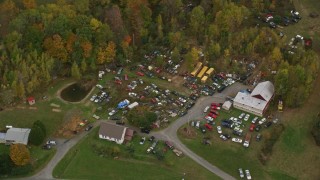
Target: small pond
x: 74, y: 93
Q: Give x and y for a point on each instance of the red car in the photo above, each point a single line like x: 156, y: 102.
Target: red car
x: 215, y: 104
x: 118, y: 81
x: 140, y: 74
x: 212, y: 115
x: 214, y: 112
x: 252, y: 126
x: 209, y: 127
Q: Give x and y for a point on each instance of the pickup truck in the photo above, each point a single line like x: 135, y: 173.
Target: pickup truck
x: 247, y: 140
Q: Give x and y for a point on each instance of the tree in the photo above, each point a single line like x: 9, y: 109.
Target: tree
x: 83, y: 66
x: 160, y: 26
x: 197, y: 20
x: 175, y: 55
x: 276, y: 57
x: 86, y: 48
x: 281, y: 82
x: 41, y: 125
x: 110, y: 51
x: 36, y: 136
x: 29, y: 4
x: 20, y: 90
x: 19, y: 154
x: 258, y: 5
x: 75, y: 72
x: 6, y: 164
x: 82, y: 6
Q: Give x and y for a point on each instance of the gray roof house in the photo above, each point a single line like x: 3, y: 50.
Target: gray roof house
x: 17, y: 136
x: 112, y: 132
x: 258, y: 101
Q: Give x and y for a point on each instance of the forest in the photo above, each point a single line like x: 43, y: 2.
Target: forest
x: 44, y: 40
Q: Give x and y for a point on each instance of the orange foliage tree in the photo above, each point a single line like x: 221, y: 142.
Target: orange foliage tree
x: 19, y: 154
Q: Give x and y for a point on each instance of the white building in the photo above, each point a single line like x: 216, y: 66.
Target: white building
x: 227, y: 105
x: 112, y: 132
x: 258, y: 101
x: 16, y: 136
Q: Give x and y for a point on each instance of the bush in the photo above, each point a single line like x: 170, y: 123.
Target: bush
x: 21, y: 170
x: 6, y: 164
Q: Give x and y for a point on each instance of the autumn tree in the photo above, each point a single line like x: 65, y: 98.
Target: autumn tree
x: 83, y: 66
x: 55, y: 47
x: 19, y: 154
x: 86, y: 48
x: 110, y: 51
x: 29, y: 4
x: 159, y: 26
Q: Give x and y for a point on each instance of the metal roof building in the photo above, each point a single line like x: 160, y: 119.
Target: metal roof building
x: 257, y: 102
x: 17, y: 136
x: 112, y: 132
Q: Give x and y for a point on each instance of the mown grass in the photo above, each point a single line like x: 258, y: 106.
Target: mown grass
x: 82, y: 162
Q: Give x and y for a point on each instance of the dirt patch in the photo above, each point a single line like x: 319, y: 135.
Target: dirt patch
x: 56, y: 110
x: 188, y: 132
x: 71, y: 125
x: 33, y: 108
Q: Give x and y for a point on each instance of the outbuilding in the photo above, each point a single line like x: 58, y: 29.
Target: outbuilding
x: 258, y: 101
x: 31, y: 100
x: 17, y: 136
x: 112, y: 132
x: 227, y: 105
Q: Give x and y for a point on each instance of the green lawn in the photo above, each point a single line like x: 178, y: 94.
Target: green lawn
x: 82, y: 162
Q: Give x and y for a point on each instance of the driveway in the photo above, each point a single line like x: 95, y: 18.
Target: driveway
x: 170, y: 133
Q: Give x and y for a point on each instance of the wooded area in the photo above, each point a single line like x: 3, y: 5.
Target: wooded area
x: 40, y: 42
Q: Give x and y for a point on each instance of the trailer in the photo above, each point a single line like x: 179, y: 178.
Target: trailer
x: 132, y: 105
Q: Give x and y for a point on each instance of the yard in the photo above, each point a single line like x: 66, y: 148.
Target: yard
x: 83, y: 161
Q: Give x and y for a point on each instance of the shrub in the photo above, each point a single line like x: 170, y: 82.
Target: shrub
x: 6, y: 164
x: 38, y: 133
x: 21, y: 170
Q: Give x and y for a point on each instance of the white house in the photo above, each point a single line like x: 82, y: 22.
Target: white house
x: 112, y: 132
x: 258, y: 101
x: 17, y: 136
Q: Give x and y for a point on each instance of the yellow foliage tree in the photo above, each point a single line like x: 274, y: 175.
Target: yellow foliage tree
x: 19, y: 154
x: 110, y: 51
x: 101, y: 56
x: 86, y: 47
x: 29, y: 4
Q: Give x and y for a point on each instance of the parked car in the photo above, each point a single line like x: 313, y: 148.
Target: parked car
x: 254, y: 120
x: 237, y: 140
x: 206, y: 109
x: 93, y: 97
x: 140, y: 73
x: 90, y: 126
x: 46, y: 146
x: 248, y: 174
x: 51, y: 142
x: 252, y: 126
x: 145, y: 130
x: 149, y: 149
x: 242, y: 115
x: 268, y: 124
x: 241, y: 173
x: 258, y: 127
x: 223, y: 137
x: 202, y: 129
x: 177, y: 152
x: 246, y: 118
x: 143, y: 139
x: 258, y: 137
x: 263, y: 120
x: 169, y: 144
x: 227, y: 136
x: 219, y: 129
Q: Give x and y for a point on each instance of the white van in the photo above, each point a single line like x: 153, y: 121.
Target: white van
x: 206, y: 109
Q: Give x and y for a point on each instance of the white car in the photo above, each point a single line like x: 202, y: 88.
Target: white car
x: 99, y: 86
x: 182, y: 100
x: 198, y: 125
x: 223, y: 137
x: 51, y: 142
x: 143, y: 139
x: 241, y: 173
x: 263, y: 120
x: 112, y: 112
x: 254, y: 120
x: 242, y: 115
x: 96, y: 100
x: 208, y: 118
x: 93, y: 97
x: 237, y: 140
x: 219, y: 129
x: 246, y: 118
x: 248, y: 174
x: 206, y: 109
x: 149, y: 149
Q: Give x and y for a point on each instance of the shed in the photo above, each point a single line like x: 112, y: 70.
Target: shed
x: 227, y: 105
x: 129, y: 134
x: 31, y: 100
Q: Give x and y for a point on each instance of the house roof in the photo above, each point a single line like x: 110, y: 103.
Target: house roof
x: 129, y: 132
x: 226, y: 105
x: 249, y: 101
x: 263, y: 91
x: 111, y: 130
x: 18, y: 135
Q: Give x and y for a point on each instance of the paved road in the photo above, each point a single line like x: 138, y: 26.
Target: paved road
x: 170, y: 133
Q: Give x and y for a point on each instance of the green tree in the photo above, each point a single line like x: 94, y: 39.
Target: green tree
x: 20, y: 90
x: 281, y: 82
x: 6, y: 164
x: 36, y: 136
x: 197, y: 20
x: 175, y: 55
x: 83, y: 66
x: 160, y: 26
x: 75, y: 72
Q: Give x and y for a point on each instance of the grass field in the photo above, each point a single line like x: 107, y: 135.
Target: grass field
x: 82, y: 162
